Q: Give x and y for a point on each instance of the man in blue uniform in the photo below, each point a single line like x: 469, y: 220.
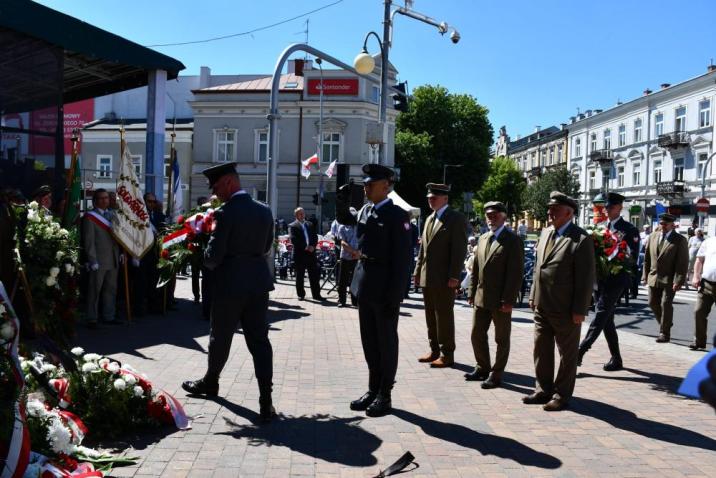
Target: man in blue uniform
x: 383, y: 254
x: 609, y: 290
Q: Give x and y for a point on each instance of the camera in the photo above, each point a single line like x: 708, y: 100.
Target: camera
x: 455, y: 36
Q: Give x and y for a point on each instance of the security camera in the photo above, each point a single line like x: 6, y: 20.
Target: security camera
x: 455, y: 36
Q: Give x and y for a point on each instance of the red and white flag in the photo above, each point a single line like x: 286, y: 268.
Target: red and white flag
x: 306, y: 165
x: 331, y: 170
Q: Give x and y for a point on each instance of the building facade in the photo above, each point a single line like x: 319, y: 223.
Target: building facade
x: 539, y: 152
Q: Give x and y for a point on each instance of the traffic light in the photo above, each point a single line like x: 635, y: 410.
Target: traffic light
x: 315, y: 199
x: 400, y: 100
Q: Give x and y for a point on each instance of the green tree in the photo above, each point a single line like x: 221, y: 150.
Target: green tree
x: 537, y: 194
x: 505, y: 184
x: 441, y: 128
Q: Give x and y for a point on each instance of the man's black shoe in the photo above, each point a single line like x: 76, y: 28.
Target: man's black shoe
x: 201, y: 387
x: 320, y: 298
x: 266, y: 412
x: 663, y: 339
x: 695, y: 346
x: 341, y: 305
x: 476, y: 375
x: 580, y: 357
x: 536, y: 399
x: 614, y: 365
x: 380, y: 406
x: 301, y: 297
x: 493, y: 381
x: 363, y: 402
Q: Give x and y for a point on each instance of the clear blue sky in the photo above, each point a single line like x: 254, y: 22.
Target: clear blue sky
x: 529, y: 62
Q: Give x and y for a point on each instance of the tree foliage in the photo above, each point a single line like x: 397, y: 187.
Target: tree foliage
x: 505, y: 184
x: 441, y: 128
x: 537, y: 194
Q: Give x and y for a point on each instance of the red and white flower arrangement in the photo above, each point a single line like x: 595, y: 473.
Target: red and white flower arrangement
x: 611, y: 252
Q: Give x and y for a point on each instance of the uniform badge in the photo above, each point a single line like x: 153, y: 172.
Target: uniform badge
x: 406, y: 226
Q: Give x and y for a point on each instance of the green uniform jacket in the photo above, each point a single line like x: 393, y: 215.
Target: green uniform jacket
x: 497, y: 270
x: 442, y: 253
x: 563, y: 281
x: 670, y: 265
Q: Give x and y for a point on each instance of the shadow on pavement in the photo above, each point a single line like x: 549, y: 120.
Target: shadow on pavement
x: 484, y: 443
x: 322, y: 436
x: 660, y: 382
x: 628, y: 421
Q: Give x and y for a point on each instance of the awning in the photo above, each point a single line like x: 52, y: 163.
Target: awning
x: 400, y: 202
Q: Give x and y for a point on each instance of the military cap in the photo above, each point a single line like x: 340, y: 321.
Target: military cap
x: 666, y: 217
x: 599, y: 199
x: 495, y: 206
x: 557, y: 198
x: 614, y: 199
x: 376, y: 172
x: 435, y: 189
x: 214, y: 173
x: 42, y: 191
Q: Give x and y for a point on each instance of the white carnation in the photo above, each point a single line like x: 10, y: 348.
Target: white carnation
x: 32, y: 216
x: 70, y: 269
x: 89, y: 367
x: 120, y: 384
x: 33, y: 205
x: 7, y: 331
x: 50, y: 281
x: 91, y: 357
x: 59, y: 255
x: 35, y: 408
x: 130, y: 379
x: 54, y: 271
x: 138, y: 391
x: 103, y: 361
x: 77, y: 351
x: 59, y: 437
x: 48, y: 231
x: 113, y: 367
x: 48, y: 367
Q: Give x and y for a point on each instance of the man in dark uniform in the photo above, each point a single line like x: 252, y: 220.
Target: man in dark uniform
x: 383, y: 231
x: 236, y: 254
x: 610, y: 289
x: 304, y: 239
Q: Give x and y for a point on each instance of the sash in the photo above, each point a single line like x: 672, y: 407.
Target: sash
x: 99, y: 220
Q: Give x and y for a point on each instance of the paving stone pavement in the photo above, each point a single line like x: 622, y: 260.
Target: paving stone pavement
x: 627, y: 423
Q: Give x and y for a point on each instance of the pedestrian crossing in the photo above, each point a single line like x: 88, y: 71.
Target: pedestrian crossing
x: 684, y: 295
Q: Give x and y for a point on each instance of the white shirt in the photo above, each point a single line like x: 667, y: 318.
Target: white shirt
x: 497, y: 232
x: 240, y: 191
x: 439, y: 212
x: 708, y: 252
x: 305, y: 231
x: 376, y: 206
x: 666, y: 236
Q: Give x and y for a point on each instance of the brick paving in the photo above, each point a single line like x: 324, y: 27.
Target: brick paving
x: 627, y: 423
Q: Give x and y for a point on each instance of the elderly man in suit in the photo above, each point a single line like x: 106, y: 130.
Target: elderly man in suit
x: 102, y: 253
x: 237, y: 256
x: 304, y: 239
x: 437, y: 272
x: 498, y: 263
x: 666, y: 262
x: 611, y: 288
x: 560, y: 296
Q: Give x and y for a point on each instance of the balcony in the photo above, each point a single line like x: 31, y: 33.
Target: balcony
x: 670, y: 188
x: 674, y: 140
x: 602, y: 156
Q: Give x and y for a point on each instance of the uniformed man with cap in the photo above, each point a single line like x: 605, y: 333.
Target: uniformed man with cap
x: 610, y: 289
x: 43, y: 197
x: 437, y: 272
x: 560, y: 297
x: 666, y: 262
x: 236, y: 255
x: 383, y: 253
x: 498, y: 264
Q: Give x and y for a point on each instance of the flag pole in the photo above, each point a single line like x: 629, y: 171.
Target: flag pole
x: 127, y: 302
x: 172, y: 158
x: 70, y: 177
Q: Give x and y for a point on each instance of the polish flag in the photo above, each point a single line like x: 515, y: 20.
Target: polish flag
x: 331, y: 170
x: 306, y: 165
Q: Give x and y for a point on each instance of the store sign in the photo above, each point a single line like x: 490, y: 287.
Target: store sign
x: 333, y: 86
x: 76, y: 115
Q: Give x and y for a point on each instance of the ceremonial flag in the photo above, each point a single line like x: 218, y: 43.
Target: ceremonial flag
x: 72, y: 206
x: 306, y: 165
x: 131, y: 225
x: 331, y: 168
x: 177, y: 195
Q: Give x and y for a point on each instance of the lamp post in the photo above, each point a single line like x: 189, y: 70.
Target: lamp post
x: 446, y: 166
x: 320, y: 146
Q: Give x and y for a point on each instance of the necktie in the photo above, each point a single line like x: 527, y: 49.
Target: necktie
x: 432, y: 224
x: 107, y: 215
x: 490, y: 241
x: 550, y: 243
x: 661, y: 244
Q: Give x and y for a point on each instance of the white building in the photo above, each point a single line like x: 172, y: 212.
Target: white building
x: 650, y: 149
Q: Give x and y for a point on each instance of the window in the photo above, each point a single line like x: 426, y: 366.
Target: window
x: 637, y: 130
x: 680, y: 121
x: 167, y: 166
x: 622, y: 135
x: 607, y: 139
x: 551, y: 155
x: 560, y: 147
x: 702, y: 162
x: 593, y: 142
x: 592, y: 179
x: 577, y: 147
x: 533, y: 161
x: 138, y: 165
x: 657, y: 171
x: 261, y: 146
x: 636, y: 174
x: 104, y: 166
x: 224, y: 145
x: 620, y: 176
x: 704, y: 113
x: 678, y: 169
x: 659, y: 124
x: 375, y: 94
x: 605, y: 177
x: 331, y: 147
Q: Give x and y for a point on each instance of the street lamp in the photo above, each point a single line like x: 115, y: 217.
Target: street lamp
x: 446, y: 166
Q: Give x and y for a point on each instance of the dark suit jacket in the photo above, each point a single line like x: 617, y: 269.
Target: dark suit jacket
x: 497, y: 270
x: 238, y: 247
x: 384, y: 241
x: 442, y: 252
x: 670, y: 265
x: 297, y: 238
x: 563, y: 280
x: 631, y: 236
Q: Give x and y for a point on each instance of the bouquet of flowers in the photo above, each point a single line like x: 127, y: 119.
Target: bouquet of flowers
x: 48, y: 255
x: 611, y: 252
x: 187, y: 237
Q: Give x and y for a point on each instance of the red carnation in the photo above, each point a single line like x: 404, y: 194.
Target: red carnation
x: 621, y: 256
x: 191, y: 246
x: 165, y: 254
x: 180, y: 219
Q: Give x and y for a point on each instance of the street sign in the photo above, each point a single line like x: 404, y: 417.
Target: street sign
x: 702, y: 205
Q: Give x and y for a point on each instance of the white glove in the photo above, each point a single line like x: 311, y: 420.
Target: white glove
x: 94, y: 266
x: 135, y: 262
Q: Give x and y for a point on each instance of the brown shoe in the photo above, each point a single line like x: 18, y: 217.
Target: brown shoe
x: 663, y: 338
x: 554, y: 405
x: 429, y: 357
x: 442, y: 362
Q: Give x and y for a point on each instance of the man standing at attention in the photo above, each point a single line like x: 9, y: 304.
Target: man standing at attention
x: 610, y: 289
x: 497, y: 267
x: 304, y: 239
x: 704, y: 281
x: 666, y: 262
x: 560, y: 297
x: 383, y: 231
x: 236, y: 254
x: 437, y: 272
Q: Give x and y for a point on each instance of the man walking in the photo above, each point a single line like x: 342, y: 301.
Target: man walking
x: 560, y: 297
x: 497, y: 268
x: 304, y: 239
x: 610, y: 289
x: 383, y: 231
x: 704, y: 281
x: 236, y: 255
x: 666, y: 262
x: 437, y: 272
